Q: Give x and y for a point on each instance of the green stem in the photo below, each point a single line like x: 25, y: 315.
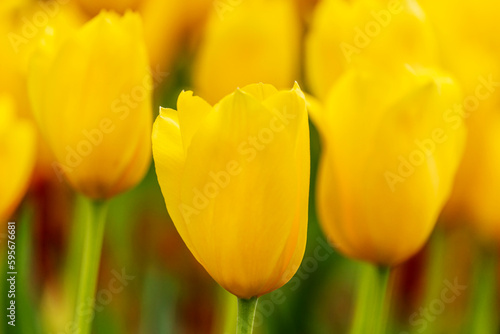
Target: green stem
x: 371, y: 310
x: 435, y: 267
x: 246, y: 315
x: 382, y: 308
x: 75, y: 248
x: 89, y: 270
x: 363, y: 298
x: 483, y: 317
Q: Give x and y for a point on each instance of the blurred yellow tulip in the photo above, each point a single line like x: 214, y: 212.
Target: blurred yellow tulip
x: 471, y: 50
x: 249, y: 42
x: 17, y: 153
x: 345, y: 33
x: 235, y: 178
x: 391, y: 147
x: 163, y: 28
x: 166, y: 23
x: 473, y: 22
x: 24, y: 26
x: 92, y: 99
x: 476, y: 196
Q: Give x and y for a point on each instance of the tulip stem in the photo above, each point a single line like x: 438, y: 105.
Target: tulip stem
x: 89, y: 270
x: 382, y: 309
x: 246, y: 315
x: 371, y: 310
x: 483, y: 312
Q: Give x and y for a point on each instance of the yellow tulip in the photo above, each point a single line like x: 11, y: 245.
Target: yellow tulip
x: 235, y: 179
x: 24, y: 26
x: 92, y: 99
x: 391, y: 146
x: 17, y: 153
x: 476, y: 196
x: 471, y: 51
x: 163, y: 23
x: 249, y: 42
x: 345, y: 33
x: 474, y: 22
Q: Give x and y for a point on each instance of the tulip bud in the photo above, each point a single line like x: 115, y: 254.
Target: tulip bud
x: 235, y: 179
x: 246, y: 42
x: 92, y: 99
x: 17, y: 153
x: 345, y: 33
x: 390, y: 152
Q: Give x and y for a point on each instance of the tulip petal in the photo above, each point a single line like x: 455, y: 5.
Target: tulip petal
x: 192, y: 112
x: 169, y: 160
x: 18, y: 159
x: 260, y: 91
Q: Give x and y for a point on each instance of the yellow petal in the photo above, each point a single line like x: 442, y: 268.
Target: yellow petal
x: 260, y: 91
x: 169, y: 157
x: 192, y: 112
x: 17, y: 153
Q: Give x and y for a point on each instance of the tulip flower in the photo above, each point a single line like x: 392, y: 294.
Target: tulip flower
x: 94, y: 115
x: 251, y: 41
x: 91, y: 95
x: 476, y: 193
x: 17, y: 153
x: 468, y: 36
x: 235, y: 179
x: 391, y: 147
x: 345, y: 33
x: 381, y: 188
x: 22, y: 39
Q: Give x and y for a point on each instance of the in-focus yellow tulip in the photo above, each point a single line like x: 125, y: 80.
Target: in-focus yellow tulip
x: 345, y: 33
x: 391, y: 147
x: 235, y: 178
x: 17, y: 154
x: 92, y: 99
x: 249, y: 42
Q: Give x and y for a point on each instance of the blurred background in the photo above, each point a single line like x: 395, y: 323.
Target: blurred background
x: 149, y: 282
